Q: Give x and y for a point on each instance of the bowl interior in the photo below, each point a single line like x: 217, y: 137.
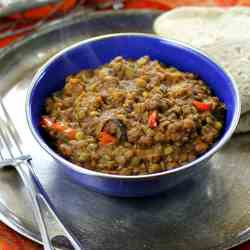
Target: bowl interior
x: 95, y: 52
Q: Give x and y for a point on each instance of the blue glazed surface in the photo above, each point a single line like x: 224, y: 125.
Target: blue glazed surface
x: 135, y: 188
x: 95, y: 52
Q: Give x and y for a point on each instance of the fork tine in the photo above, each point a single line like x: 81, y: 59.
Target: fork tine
x: 5, y: 139
x: 1, y: 147
x: 11, y: 128
x: 10, y: 150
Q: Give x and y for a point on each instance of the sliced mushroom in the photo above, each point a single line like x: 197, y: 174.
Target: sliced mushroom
x: 117, y: 127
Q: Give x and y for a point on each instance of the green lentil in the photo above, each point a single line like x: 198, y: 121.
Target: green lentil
x: 135, y: 161
x: 168, y: 150
x: 84, y: 156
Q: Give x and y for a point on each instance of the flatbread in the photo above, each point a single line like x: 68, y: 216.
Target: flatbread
x: 194, y: 25
x: 234, y: 56
x: 244, y: 124
x: 201, y: 26
x: 224, y: 35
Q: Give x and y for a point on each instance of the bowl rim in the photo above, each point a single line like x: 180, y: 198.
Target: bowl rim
x: 176, y: 43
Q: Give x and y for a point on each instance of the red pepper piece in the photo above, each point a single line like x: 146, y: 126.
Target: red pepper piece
x: 59, y: 127
x: 70, y: 133
x: 153, y: 119
x: 46, y: 122
x: 201, y: 106
x: 106, y: 138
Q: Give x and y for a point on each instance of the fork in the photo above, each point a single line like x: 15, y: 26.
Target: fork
x: 11, y: 154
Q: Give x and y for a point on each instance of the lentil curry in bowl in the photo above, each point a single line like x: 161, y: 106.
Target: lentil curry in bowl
x: 133, y: 117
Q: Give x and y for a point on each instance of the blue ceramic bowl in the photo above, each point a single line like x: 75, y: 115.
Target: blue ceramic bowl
x: 97, y: 51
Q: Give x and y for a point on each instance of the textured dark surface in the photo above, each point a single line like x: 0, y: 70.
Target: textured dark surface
x: 209, y: 211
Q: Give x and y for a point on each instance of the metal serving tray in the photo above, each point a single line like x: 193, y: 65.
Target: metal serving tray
x: 209, y: 211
